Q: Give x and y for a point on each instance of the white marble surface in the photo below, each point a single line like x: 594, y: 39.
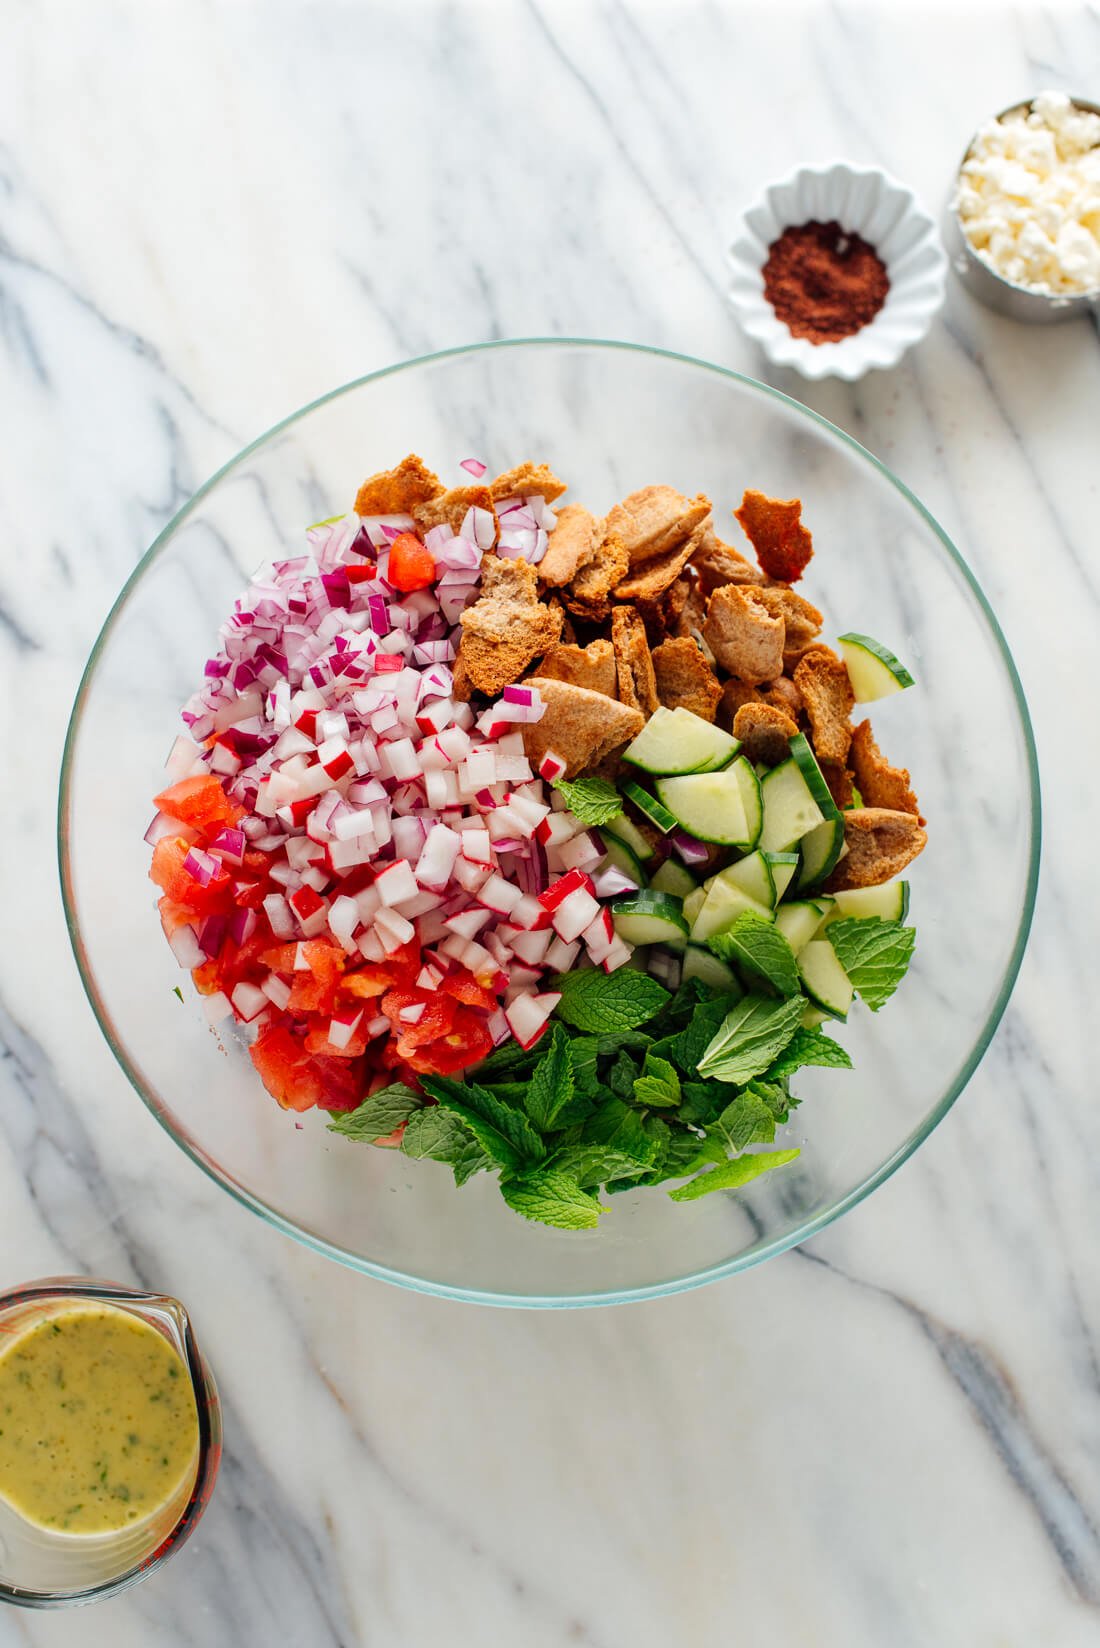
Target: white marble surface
x: 208, y: 215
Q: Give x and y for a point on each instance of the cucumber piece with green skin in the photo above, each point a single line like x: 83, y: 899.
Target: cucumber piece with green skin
x: 751, y: 799
x: 890, y: 902
x: 799, y: 922
x: 623, y: 858
x: 821, y: 849
x: 693, y: 903
x: 649, y: 807
x: 701, y: 963
x: 709, y: 806
x: 784, y: 867
x: 676, y: 741
x: 872, y: 668
x: 813, y: 1016
x: 754, y: 876
x: 824, y: 979
x: 623, y: 830
x: 673, y: 878
x: 722, y: 907
x: 806, y: 760
x: 650, y: 918
x: 790, y: 811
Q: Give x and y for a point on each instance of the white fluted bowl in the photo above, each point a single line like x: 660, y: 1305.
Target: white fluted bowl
x: 864, y: 201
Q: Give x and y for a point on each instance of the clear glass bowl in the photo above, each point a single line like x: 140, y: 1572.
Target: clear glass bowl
x: 609, y: 418
x: 41, y: 1568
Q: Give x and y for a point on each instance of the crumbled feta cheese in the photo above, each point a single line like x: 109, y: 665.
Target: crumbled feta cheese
x: 1028, y: 196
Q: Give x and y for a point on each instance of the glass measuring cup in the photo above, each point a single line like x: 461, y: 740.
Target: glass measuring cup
x: 43, y: 1567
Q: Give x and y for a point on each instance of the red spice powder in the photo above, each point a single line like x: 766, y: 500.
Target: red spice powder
x: 823, y: 282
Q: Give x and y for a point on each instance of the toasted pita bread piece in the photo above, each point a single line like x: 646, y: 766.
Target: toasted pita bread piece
x: 774, y: 528
x: 588, y: 596
x: 801, y: 619
x: 785, y: 696
x: 449, y: 508
x: 591, y: 667
x: 765, y: 733
x: 685, y: 680
x: 734, y: 694
x: 572, y: 544
x: 633, y: 663
x: 822, y: 679
x: 879, y: 784
x: 717, y: 563
x: 742, y: 634
x: 527, y: 480
x: 655, y: 520
x: 506, y: 628
x: 880, y: 844
x: 839, y: 780
x: 648, y: 581
x: 582, y: 727
x: 398, y: 491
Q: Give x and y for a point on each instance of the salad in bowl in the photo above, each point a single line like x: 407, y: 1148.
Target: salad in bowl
x: 536, y: 842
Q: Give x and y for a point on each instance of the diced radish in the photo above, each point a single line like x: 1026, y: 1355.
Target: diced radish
x: 574, y: 913
x: 559, y: 890
x: 401, y: 759
x: 470, y: 876
x: 552, y: 766
x: 371, y: 947
x: 556, y: 829
x: 561, y: 956
x: 217, y: 1008
x: 342, y: 1027
x: 477, y: 845
x: 618, y: 956
x: 438, y: 857
x: 468, y: 923
x: 498, y: 894
x: 277, y: 991
x: 278, y: 913
x: 529, y: 913
x: 497, y: 1025
x: 532, y: 812
x: 397, y: 883
x: 248, y: 1001
x: 581, y: 853
x: 528, y: 1015
x: 343, y: 919
x: 532, y: 947
x: 186, y: 947
x: 393, y: 930
x: 310, y: 910
x: 334, y: 758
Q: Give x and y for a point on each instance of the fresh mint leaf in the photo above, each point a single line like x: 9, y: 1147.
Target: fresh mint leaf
x: 378, y: 1116
x: 176, y: 991
x: 584, y: 1052
x: 623, y: 1041
x: 622, y: 1076
x: 435, y: 1133
x: 704, y: 1100
x: 603, y: 1003
x: 775, y: 1094
x: 874, y: 953
x: 688, y: 1045
x: 614, y: 1124
x: 504, y: 1134
x: 731, y: 1175
x: 658, y: 1086
x: 592, y: 1165
x: 592, y: 801
x: 758, y: 947
x: 552, y: 1198
x: 747, y: 1120
x: 753, y: 1033
x: 808, y: 1047
x: 508, y: 1060
x: 550, y: 1088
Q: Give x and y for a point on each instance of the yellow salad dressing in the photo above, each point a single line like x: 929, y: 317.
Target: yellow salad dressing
x: 98, y: 1425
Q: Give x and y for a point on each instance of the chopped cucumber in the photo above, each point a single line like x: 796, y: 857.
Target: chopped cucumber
x: 812, y: 1017
x: 890, y: 901
x: 624, y: 830
x: 751, y: 799
x: 806, y: 760
x: 820, y: 850
x: 676, y: 741
x: 824, y: 979
x: 701, y: 963
x: 722, y: 907
x: 709, y: 805
x: 650, y: 807
x: 754, y: 876
x: 650, y: 918
x: 799, y: 922
x: 673, y: 878
x: 623, y: 858
x: 783, y: 867
x: 872, y: 668
x: 790, y: 811
x: 693, y: 903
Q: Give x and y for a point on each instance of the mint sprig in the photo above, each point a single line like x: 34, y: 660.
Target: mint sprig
x: 757, y: 947
x: 874, y: 953
x: 552, y: 1198
x: 592, y: 801
x: 551, y: 1085
x: 732, y: 1175
x: 378, y: 1116
x: 601, y: 1003
x: 753, y: 1033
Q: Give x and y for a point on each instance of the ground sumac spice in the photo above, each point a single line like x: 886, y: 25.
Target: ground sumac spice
x: 823, y: 282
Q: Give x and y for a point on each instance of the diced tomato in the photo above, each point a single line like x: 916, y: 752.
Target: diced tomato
x: 411, y: 563
x: 173, y: 916
x: 169, y: 874
x: 467, y: 1041
x: 435, y: 1021
x: 360, y: 572
x: 200, y: 802
x: 366, y: 982
x: 206, y: 978
x: 465, y: 988
x: 286, y: 1069
x: 317, y: 1040
x: 281, y: 958
x: 343, y: 1082
x: 314, y: 990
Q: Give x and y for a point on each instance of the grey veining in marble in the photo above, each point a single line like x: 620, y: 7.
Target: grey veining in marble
x: 211, y: 214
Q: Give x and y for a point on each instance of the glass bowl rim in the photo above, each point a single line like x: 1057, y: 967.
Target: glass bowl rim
x: 677, y: 1284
